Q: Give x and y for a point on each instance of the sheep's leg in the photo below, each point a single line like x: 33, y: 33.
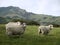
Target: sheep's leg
x: 9, y: 33
x: 42, y: 32
x: 38, y: 31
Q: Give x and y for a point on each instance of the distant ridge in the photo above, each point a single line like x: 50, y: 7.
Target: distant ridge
x: 16, y: 12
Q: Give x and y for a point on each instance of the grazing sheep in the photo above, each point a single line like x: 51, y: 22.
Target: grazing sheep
x: 15, y: 28
x: 45, y: 29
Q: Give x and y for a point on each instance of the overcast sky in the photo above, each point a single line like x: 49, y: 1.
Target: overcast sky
x: 50, y: 7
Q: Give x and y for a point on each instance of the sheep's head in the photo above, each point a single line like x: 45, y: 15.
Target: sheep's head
x: 51, y: 27
x: 24, y: 24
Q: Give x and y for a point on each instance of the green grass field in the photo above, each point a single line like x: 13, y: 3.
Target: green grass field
x: 30, y: 37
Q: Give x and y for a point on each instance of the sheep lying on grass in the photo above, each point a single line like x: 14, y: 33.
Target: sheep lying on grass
x: 15, y: 28
x: 44, y: 29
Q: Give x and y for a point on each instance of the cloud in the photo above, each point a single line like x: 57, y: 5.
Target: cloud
x: 51, y: 7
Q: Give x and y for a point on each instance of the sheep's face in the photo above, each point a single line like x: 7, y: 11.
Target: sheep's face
x: 24, y: 24
x: 51, y: 27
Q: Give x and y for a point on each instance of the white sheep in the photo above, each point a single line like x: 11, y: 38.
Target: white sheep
x: 44, y: 29
x: 15, y: 28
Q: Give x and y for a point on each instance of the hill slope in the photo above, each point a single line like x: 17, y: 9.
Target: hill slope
x: 16, y: 12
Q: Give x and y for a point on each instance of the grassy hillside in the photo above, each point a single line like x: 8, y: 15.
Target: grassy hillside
x: 9, y: 13
x: 30, y: 37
